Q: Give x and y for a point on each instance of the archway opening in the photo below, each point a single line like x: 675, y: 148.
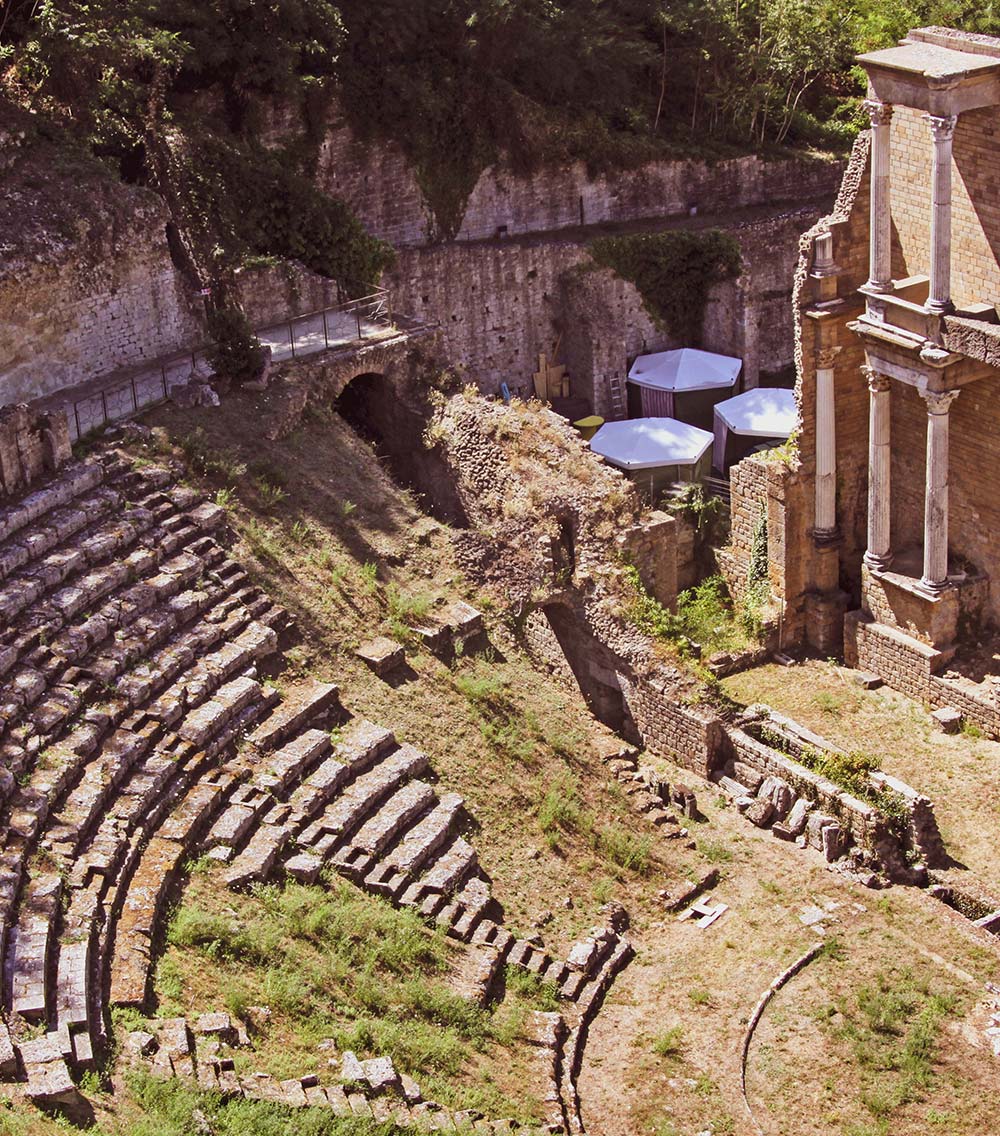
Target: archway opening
x: 374, y: 408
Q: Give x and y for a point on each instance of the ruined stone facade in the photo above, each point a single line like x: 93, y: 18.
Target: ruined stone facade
x: 897, y: 354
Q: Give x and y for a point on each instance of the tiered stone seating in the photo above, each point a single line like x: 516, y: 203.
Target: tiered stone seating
x: 129, y: 645
x: 128, y: 651
x: 195, y: 1052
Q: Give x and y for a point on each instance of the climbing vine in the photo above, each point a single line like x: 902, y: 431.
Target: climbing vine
x: 673, y: 272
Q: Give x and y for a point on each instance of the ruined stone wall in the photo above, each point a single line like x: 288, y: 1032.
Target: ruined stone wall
x: 689, y: 735
x: 32, y: 446
x: 501, y: 303
x: 653, y: 546
x: 105, y: 298
x: 860, y: 819
x: 379, y: 185
x: 271, y: 292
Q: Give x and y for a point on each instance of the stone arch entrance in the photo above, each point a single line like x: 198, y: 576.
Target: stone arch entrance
x: 380, y: 412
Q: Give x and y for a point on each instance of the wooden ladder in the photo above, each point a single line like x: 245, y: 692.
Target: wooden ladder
x: 619, y: 406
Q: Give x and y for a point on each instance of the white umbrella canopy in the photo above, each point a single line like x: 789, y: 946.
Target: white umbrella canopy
x: 686, y: 369
x: 645, y: 443
x: 765, y: 412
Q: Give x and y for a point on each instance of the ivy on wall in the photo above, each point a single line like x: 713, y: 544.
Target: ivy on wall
x: 673, y: 272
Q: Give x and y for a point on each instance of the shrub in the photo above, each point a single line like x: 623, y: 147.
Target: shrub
x: 673, y: 272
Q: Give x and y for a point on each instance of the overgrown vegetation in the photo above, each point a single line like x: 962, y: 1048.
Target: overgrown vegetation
x: 329, y: 963
x: 849, y: 770
x: 455, y: 85
x: 673, y: 271
x: 892, y: 1027
x: 560, y: 813
x: 705, y: 620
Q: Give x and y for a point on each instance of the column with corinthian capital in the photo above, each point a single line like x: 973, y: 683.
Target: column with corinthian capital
x: 878, y: 555
x: 935, y: 573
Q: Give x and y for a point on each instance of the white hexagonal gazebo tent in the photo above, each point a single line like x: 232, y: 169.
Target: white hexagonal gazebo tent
x: 655, y: 452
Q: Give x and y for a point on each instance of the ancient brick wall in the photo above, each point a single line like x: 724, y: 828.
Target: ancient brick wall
x: 110, y: 299
x: 688, y: 735
x: 975, y: 274
x: 501, y: 303
x: 379, y: 185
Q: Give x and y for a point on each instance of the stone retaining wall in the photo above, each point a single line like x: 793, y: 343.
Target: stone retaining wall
x: 377, y: 182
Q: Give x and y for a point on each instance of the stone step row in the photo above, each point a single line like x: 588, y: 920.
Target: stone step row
x: 369, y: 1089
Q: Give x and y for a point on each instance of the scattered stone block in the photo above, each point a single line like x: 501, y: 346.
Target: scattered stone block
x: 352, y: 1071
x: 734, y: 788
x: 866, y: 680
x: 779, y: 793
x: 746, y: 775
x: 798, y: 815
x: 381, y: 1074
x: 383, y: 655
x: 139, y: 1043
x: 948, y: 720
x: 814, y: 829
x: 684, y: 799
x: 759, y: 812
x: 833, y: 842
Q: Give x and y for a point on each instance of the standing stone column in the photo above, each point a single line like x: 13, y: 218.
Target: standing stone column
x: 936, y: 490
x: 826, y: 446
x: 880, y: 221
x: 943, y: 130
x: 878, y: 556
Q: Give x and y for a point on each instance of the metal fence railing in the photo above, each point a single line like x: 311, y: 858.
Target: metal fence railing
x: 119, y: 396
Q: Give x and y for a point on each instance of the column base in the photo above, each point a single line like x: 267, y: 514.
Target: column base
x: 939, y: 307
x: 823, y: 538
x: 931, y: 588
x: 875, y: 563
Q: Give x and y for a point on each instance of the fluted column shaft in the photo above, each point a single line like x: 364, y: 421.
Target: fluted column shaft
x: 880, y: 222
x: 826, y: 444
x: 935, y: 573
x: 943, y: 131
x: 879, y: 554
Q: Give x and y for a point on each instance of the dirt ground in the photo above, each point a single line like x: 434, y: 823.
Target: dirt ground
x: 695, y: 990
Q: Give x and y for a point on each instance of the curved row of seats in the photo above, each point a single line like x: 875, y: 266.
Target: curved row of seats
x: 136, y: 732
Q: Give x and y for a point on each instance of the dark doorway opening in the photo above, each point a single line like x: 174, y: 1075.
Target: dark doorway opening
x: 374, y: 409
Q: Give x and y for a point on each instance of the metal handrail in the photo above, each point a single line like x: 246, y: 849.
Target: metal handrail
x: 375, y: 307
